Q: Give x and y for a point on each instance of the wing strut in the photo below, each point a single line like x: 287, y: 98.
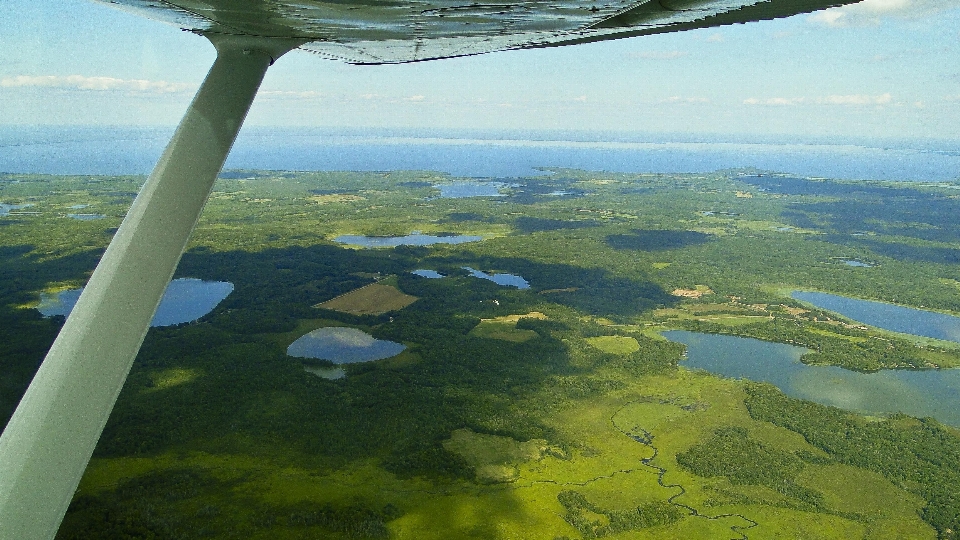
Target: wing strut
x: 49, y: 440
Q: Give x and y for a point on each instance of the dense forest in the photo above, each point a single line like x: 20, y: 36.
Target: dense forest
x: 554, y: 411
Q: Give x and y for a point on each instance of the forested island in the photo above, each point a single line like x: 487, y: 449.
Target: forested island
x: 534, y: 396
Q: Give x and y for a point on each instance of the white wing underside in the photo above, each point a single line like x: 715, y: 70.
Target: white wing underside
x: 391, y: 31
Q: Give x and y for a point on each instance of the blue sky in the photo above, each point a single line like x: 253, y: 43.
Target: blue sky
x: 887, y: 68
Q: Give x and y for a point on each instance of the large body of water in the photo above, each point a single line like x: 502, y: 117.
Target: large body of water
x: 919, y: 393
x: 185, y: 300
x: 887, y: 316
x: 77, y: 150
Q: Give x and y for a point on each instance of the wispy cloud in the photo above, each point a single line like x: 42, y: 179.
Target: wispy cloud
x: 80, y: 82
x: 289, y: 94
x: 856, y: 99
x: 872, y: 12
x: 657, y: 55
x: 680, y: 99
x: 849, y: 100
x: 774, y: 101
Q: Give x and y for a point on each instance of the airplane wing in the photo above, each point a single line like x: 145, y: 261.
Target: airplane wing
x: 386, y: 32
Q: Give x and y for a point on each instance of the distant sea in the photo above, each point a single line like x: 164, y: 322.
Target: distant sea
x: 125, y: 150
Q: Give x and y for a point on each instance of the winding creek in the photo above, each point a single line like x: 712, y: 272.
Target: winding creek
x: 921, y: 393
x: 645, y: 437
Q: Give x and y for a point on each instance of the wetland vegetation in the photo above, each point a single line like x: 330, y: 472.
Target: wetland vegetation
x: 552, y: 411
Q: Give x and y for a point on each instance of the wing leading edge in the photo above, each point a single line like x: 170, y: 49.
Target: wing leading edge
x: 389, y: 32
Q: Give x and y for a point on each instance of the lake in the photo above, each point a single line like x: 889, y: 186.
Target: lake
x: 86, y: 217
x: 460, y: 190
x: 887, y: 316
x: 429, y: 274
x: 185, y: 300
x: 5, y: 209
x: 919, y: 393
x: 507, y: 280
x: 342, y: 345
x: 481, y: 153
x: 413, y: 239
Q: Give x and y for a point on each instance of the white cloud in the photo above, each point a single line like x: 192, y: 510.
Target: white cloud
x: 774, y: 101
x: 715, y: 38
x: 288, y: 94
x: 79, y: 82
x: 849, y: 100
x: 856, y: 99
x: 680, y: 99
x: 657, y: 55
x: 872, y: 12
x: 415, y: 98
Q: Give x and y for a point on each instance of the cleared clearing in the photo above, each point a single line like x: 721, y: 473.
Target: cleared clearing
x: 373, y: 299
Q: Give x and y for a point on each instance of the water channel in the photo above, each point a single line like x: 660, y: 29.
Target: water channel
x: 887, y: 316
x: 919, y: 393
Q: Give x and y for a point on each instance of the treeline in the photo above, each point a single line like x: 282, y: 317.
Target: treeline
x: 920, y: 456
x: 730, y: 452
x: 579, y: 510
x: 162, y: 505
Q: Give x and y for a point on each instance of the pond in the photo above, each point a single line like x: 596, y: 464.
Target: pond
x: 887, y: 316
x: 413, y: 239
x: 342, y: 345
x: 507, y: 280
x: 185, y: 300
x: 919, y: 393
x: 86, y: 217
x: 856, y: 263
x: 429, y: 274
x: 461, y: 190
x: 5, y: 209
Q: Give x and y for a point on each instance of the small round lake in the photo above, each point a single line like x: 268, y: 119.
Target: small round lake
x: 507, y: 280
x: 414, y: 239
x: 342, y: 345
x: 887, y: 316
x: 185, y: 300
x: 919, y: 393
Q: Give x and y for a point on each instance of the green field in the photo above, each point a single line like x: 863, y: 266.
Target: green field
x: 550, y: 412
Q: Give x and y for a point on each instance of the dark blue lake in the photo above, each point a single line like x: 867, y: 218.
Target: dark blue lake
x: 887, y: 316
x: 185, y: 300
x: 920, y: 393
